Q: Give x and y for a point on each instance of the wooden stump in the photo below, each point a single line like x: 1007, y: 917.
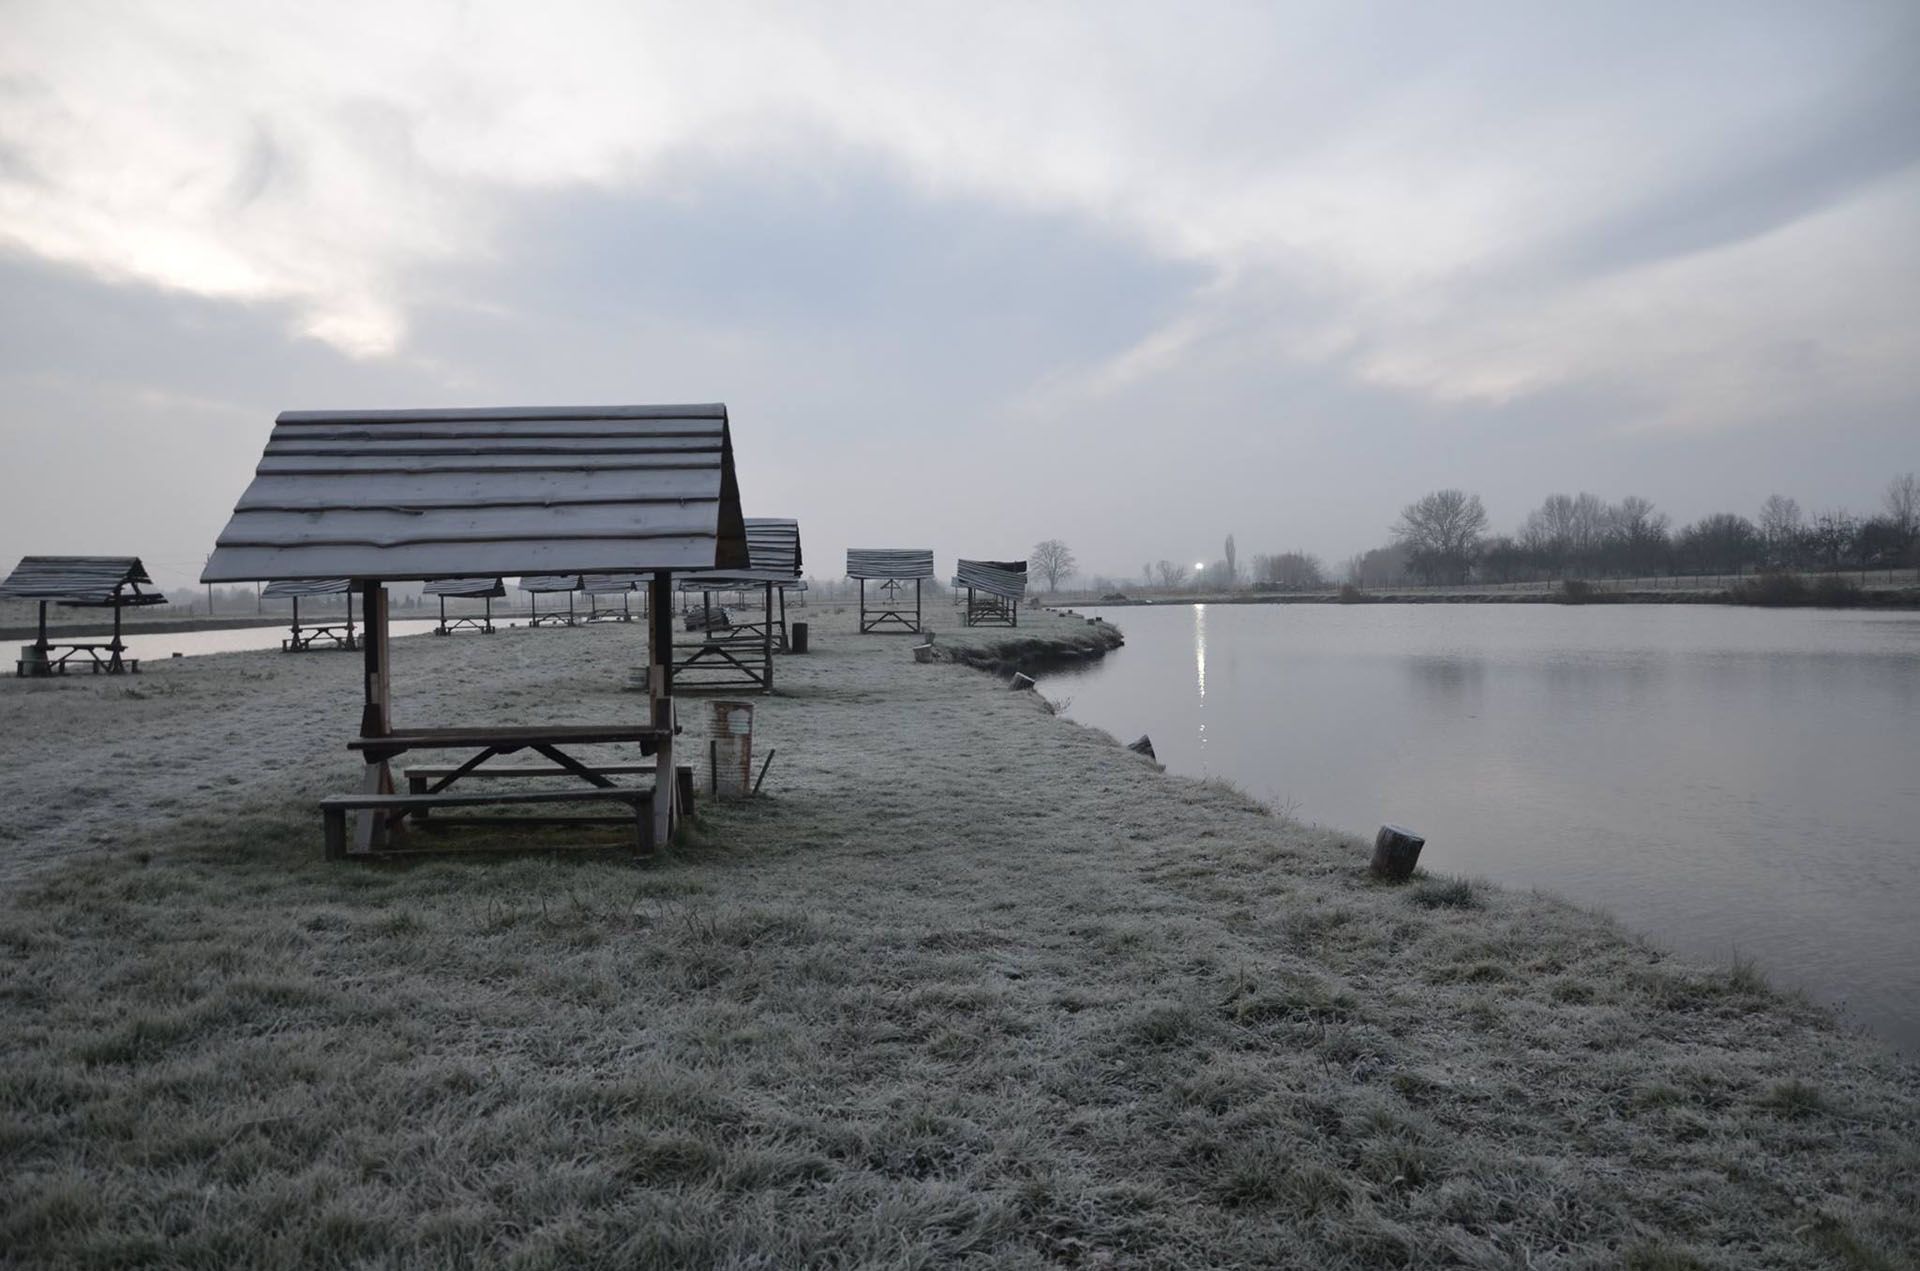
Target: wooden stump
x: 1396, y: 851
x: 923, y: 653
x: 1144, y: 746
x: 1021, y: 680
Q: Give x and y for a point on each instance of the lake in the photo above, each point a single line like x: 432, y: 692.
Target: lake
x: 1730, y: 782
x: 162, y: 645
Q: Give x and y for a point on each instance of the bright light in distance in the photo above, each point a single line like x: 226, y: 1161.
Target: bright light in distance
x: 1199, y: 564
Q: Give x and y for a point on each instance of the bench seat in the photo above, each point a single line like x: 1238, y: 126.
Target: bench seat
x: 334, y: 808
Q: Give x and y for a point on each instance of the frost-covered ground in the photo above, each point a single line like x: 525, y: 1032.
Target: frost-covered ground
x: 969, y: 985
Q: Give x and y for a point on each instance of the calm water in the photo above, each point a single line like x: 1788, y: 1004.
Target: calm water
x: 165, y: 644
x: 1726, y: 781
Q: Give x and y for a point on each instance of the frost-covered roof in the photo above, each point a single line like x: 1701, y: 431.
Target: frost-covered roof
x: 81, y: 580
x: 287, y: 589
x: 1006, y: 578
x: 415, y: 494
x: 889, y: 562
x: 473, y: 588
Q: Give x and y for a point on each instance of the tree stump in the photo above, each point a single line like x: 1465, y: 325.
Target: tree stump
x: 1021, y: 680
x: 1143, y: 747
x: 1396, y: 851
x: 923, y: 653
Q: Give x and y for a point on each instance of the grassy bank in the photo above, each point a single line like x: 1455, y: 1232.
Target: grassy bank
x: 969, y: 985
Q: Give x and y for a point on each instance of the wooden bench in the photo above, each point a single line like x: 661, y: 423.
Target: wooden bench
x: 334, y: 809
x: 417, y: 778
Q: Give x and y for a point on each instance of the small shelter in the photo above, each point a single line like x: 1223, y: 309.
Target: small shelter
x: 466, y: 589
x: 892, y: 568
x: 994, y: 591
x: 79, y: 582
x: 330, y: 633
x: 621, y: 585
x: 537, y: 585
x: 734, y: 654
x: 412, y: 495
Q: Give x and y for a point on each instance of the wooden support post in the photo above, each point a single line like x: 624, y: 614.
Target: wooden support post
x: 660, y: 697
x: 349, y: 615
x: 376, y: 716
x: 296, y: 623
x: 918, y: 623
x: 766, y: 634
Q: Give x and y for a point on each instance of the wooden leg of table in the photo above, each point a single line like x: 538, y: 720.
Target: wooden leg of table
x: 334, y: 821
x: 370, y: 826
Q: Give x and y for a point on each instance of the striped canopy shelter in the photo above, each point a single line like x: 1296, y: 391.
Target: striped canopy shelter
x: 621, y: 585
x: 80, y: 582
x: 410, y: 495
x: 303, y: 638
x: 774, y: 560
x: 891, y: 567
x: 483, y: 589
x: 994, y: 591
x: 537, y: 585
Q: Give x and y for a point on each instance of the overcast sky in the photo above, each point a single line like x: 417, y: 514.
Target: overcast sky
x: 971, y: 275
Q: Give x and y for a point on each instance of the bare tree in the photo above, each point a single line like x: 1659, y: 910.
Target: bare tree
x: 1442, y: 532
x: 1289, y: 569
x: 1054, y: 559
x: 1780, y: 527
x: 1233, y: 564
x: 1902, y: 502
x: 1171, y: 574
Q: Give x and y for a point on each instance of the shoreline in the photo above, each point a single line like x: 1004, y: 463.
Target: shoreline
x: 1870, y: 598
x: 969, y: 981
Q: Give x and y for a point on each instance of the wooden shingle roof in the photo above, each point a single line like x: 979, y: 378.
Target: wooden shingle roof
x: 395, y: 495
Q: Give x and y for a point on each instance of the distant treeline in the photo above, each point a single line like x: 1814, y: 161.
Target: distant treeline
x: 1443, y: 538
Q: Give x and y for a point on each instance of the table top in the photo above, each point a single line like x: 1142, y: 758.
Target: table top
x: 509, y: 735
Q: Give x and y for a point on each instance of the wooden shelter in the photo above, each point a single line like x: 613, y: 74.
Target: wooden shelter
x: 731, y: 653
x: 621, y: 585
x: 411, y: 495
x: 892, y: 568
x: 994, y: 591
x: 487, y: 589
x: 537, y: 585
x: 79, y: 582
x: 318, y: 634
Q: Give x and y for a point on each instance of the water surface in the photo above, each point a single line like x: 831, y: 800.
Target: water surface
x: 1731, y: 782
x: 161, y: 645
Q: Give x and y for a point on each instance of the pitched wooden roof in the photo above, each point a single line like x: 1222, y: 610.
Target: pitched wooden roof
x: 1005, y: 578
x: 287, y: 589
x: 773, y: 553
x: 416, y: 494
x: 474, y: 588
x: 81, y: 580
x: 890, y: 562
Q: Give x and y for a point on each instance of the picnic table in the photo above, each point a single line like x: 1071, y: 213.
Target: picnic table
x: 95, y: 656
x: 548, y: 741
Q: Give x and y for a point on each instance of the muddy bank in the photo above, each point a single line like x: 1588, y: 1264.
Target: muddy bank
x: 1049, y: 638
